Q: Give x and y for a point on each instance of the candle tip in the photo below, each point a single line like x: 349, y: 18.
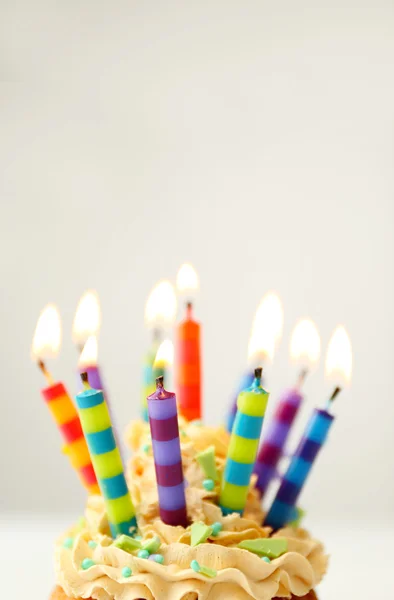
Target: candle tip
x: 159, y: 381
x: 335, y: 393
x: 302, y: 377
x: 258, y: 372
x: 85, y: 380
x: 44, y: 370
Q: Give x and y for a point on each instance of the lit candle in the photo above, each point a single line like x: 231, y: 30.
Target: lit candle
x: 87, y: 320
x: 266, y: 334
x: 160, y: 311
x: 88, y: 363
x: 106, y: 459
x: 338, y: 363
x: 46, y: 343
x: 164, y: 361
x: 188, y: 350
x: 163, y: 420
x: 305, y: 350
x: 244, y: 443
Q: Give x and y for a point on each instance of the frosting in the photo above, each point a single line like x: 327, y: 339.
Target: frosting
x: 238, y: 573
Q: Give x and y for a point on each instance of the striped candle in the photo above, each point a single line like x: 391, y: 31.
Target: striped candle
x: 188, y: 366
x: 282, y: 509
x: 106, y: 459
x: 275, y: 436
x: 163, y: 420
x: 244, y: 442
x: 245, y: 382
x: 66, y: 418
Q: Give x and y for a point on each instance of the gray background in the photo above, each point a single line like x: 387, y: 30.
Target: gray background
x: 253, y: 139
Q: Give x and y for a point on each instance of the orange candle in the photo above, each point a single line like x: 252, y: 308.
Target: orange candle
x: 188, y: 371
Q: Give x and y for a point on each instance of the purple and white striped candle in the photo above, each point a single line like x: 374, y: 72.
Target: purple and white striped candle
x: 275, y: 437
x: 163, y: 420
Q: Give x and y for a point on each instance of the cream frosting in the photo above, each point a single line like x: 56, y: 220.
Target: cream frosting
x: 241, y: 575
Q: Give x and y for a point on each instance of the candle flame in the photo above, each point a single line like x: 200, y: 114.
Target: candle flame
x: 89, y: 353
x: 267, y: 327
x: 165, y: 355
x: 305, y: 343
x: 339, y: 357
x: 161, y: 305
x: 48, y: 334
x: 187, y: 279
x: 87, y: 318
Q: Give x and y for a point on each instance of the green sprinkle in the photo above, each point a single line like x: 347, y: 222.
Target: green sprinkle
x: 265, y: 559
x: 271, y: 547
x: 68, y: 543
x: 146, y: 448
x: 127, y: 543
x: 207, y: 571
x: 182, y: 432
x: 126, y: 572
x: 195, y: 566
x: 206, y: 460
x: 216, y: 528
x: 208, y: 484
x: 87, y: 563
x: 199, y: 533
x: 299, y: 515
x: 143, y: 554
x: 92, y: 544
x: 152, y: 545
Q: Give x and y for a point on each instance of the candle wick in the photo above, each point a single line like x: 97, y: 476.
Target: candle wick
x: 301, y: 378
x: 85, y: 380
x: 258, y: 372
x: 46, y: 373
x: 189, y: 309
x: 159, y: 382
x: 334, y: 394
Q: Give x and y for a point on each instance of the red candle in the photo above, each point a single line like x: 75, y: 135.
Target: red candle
x: 188, y: 371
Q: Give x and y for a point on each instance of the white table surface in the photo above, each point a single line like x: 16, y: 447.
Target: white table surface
x: 361, y: 565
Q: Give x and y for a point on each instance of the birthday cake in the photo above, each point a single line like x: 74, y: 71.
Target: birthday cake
x: 214, y: 556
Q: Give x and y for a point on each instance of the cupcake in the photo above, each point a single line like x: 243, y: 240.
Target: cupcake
x: 214, y: 556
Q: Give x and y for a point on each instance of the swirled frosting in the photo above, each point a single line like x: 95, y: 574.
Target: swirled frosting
x: 241, y: 575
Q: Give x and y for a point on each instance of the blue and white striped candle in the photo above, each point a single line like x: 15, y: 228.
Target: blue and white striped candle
x: 283, y: 506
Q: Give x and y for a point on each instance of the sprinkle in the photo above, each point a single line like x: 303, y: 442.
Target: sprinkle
x: 195, y: 566
x: 265, y: 559
x: 299, y: 514
x: 206, y: 460
x: 143, y: 554
x: 207, y: 571
x: 126, y: 572
x: 68, y: 543
x: 146, y: 448
x: 200, y: 533
x: 87, y: 563
x: 182, y: 432
x: 138, y: 537
x: 158, y: 558
x: 92, y: 544
x: 152, y: 545
x: 127, y: 543
x: 271, y: 547
x: 208, y: 484
x: 216, y: 528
